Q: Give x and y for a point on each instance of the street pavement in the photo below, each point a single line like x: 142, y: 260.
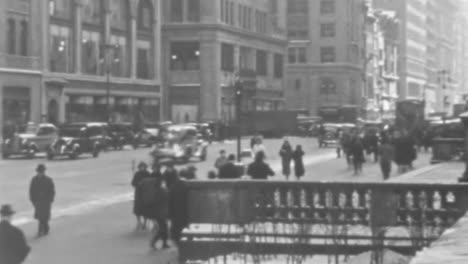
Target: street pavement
x: 92, y: 219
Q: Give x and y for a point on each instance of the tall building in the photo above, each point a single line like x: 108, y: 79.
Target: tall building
x: 207, y: 44
x: 325, y: 54
x: 442, y: 56
x: 97, y: 53
x: 412, y: 51
x: 68, y: 60
x: 20, y: 70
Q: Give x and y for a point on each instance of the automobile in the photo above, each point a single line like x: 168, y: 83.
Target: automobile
x: 121, y: 134
x: 34, y: 139
x: 180, y: 143
x: 147, y: 137
x: 76, y: 139
x: 331, y: 138
x: 204, y: 130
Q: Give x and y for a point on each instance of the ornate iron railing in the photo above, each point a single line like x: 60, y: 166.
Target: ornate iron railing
x: 303, y: 218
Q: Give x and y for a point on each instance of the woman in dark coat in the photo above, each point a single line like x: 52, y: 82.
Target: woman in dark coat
x: 178, y: 208
x: 42, y: 195
x: 357, y: 151
x: 297, y: 156
x: 141, y: 174
x: 285, y: 153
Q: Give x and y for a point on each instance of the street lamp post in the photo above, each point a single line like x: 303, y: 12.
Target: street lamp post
x: 238, y: 90
x: 108, y: 48
x: 464, y: 119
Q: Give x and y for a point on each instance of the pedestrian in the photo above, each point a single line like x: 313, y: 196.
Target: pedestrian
x: 13, y: 246
x: 160, y: 213
x: 321, y: 135
x: 212, y: 175
x: 357, y: 152
x: 221, y: 160
x: 169, y: 173
x: 285, y: 153
x: 258, y: 169
x: 42, y: 195
x: 373, y: 144
x: 339, y: 136
x: 191, y: 173
x: 178, y: 208
x: 141, y: 174
x: 229, y: 170
x: 298, y: 155
x: 156, y: 171
x: 386, y: 153
x: 346, y: 141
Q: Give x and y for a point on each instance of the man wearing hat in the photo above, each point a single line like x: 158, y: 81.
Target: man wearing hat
x: 13, y: 247
x: 42, y: 194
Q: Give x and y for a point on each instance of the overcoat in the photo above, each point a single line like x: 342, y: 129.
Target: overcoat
x: 42, y: 194
x: 13, y: 247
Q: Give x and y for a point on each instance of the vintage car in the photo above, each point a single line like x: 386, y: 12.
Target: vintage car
x: 78, y: 138
x: 331, y: 137
x: 204, y: 130
x: 147, y: 137
x: 35, y: 139
x: 121, y: 134
x: 180, y: 143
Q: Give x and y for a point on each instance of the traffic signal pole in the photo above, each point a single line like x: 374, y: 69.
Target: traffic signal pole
x: 238, y: 91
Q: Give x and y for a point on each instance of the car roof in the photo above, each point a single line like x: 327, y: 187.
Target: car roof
x: 181, y: 127
x: 46, y: 125
x: 87, y: 124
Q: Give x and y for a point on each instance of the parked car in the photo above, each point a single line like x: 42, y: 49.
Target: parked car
x: 180, y: 143
x: 35, y: 139
x: 78, y: 138
x: 121, y: 134
x: 331, y: 137
x: 148, y: 137
x: 204, y: 130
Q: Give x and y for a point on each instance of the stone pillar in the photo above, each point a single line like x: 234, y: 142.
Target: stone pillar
x: 133, y: 47
x: 77, y: 34
x: 210, y: 101
x: 237, y: 58
x: 155, y: 43
x: 270, y: 68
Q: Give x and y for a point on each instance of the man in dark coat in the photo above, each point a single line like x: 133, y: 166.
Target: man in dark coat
x: 286, y: 153
x: 178, y: 208
x: 42, y: 194
x: 13, y: 246
x: 258, y: 169
x: 229, y: 170
x: 161, y: 211
x: 139, y: 176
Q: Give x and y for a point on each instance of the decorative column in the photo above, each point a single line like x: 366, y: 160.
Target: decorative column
x: 133, y: 46
x: 155, y: 43
x: 77, y: 35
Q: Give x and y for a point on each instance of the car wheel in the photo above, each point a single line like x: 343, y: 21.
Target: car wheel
x: 32, y: 153
x: 74, y: 155
x: 5, y: 155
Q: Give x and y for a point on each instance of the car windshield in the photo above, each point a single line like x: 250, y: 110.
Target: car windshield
x: 31, y: 129
x: 172, y: 135
x: 72, y: 131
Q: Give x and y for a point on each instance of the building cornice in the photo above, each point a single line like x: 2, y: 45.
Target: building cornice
x: 225, y: 28
x: 325, y: 66
x: 99, y: 78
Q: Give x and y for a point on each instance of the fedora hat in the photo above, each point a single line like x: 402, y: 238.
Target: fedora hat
x: 6, y: 210
x: 142, y: 164
x: 41, y: 168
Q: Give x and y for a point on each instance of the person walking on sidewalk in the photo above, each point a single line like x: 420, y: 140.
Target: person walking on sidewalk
x: 221, y: 160
x: 298, y: 155
x: 229, y: 170
x: 178, y: 208
x: 357, y: 151
x: 286, y: 153
x: 386, y: 153
x: 42, y: 195
x: 140, y: 175
x: 258, y: 169
x: 161, y: 213
x: 13, y: 246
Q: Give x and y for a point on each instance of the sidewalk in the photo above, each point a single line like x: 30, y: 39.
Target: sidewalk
x: 106, y: 236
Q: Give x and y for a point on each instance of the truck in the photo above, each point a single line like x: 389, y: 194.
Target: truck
x: 339, y: 114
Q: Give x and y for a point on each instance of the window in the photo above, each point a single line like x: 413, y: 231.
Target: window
x: 193, y: 10
x: 240, y: 14
x: 327, y: 86
x: 185, y: 56
x: 119, y: 60
x: 90, y: 52
x: 24, y: 38
x: 278, y: 66
x: 145, y: 15
x: 231, y: 13
x: 119, y: 14
x: 327, y: 7
x: 327, y: 54
x: 222, y: 10
x: 297, y: 6
x: 60, y: 8
x: 92, y: 11
x: 297, y: 55
x: 262, y: 63
x: 327, y: 30
x: 176, y: 10
x: 11, y: 38
x: 143, y: 59
x: 227, y: 57
x: 60, y: 49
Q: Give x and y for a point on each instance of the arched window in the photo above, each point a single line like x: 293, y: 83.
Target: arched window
x: 11, y: 37
x: 24, y: 38
x: 145, y: 15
